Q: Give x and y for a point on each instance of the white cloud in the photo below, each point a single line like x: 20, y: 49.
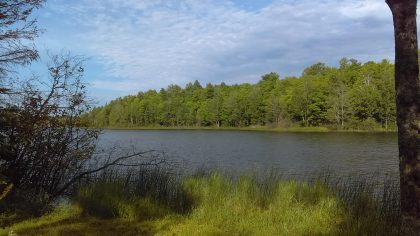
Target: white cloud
x: 150, y: 44
x: 366, y: 8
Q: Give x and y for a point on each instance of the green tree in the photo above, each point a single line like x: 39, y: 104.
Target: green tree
x: 338, y: 98
x: 354, y: 95
x: 116, y: 115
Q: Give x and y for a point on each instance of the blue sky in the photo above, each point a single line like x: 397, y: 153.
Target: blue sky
x: 136, y: 45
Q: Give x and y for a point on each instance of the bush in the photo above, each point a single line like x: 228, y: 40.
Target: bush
x: 369, y: 124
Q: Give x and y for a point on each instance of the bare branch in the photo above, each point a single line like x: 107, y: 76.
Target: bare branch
x: 116, y: 162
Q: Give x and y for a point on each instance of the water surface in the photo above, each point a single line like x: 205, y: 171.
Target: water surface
x: 244, y: 151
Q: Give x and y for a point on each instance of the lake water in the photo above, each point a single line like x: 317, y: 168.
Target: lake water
x: 244, y: 151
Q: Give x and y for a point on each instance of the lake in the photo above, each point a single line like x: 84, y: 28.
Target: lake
x: 245, y: 151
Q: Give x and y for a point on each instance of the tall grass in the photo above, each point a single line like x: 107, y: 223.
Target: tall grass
x: 371, y: 203
x: 211, y: 203
x: 133, y: 194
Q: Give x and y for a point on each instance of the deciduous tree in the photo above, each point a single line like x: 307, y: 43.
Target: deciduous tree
x: 408, y: 110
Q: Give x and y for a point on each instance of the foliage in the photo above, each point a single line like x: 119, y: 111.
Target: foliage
x: 352, y: 96
x: 17, y: 29
x: 43, y: 148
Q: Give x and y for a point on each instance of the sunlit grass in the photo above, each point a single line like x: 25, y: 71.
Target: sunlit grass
x: 63, y: 214
x: 73, y: 223
x: 157, y: 203
x: 239, y: 208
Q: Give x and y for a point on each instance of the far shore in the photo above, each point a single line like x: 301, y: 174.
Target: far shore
x: 263, y: 129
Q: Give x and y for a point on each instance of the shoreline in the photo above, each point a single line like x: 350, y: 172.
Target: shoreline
x: 259, y: 129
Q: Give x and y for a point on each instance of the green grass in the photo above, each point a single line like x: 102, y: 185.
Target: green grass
x: 242, y: 208
x: 156, y: 202
x: 69, y: 220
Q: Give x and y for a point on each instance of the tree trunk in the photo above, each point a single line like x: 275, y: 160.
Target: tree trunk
x: 408, y: 111
x: 342, y: 110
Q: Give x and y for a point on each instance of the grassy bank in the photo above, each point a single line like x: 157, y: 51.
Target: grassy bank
x: 260, y: 128
x: 156, y: 202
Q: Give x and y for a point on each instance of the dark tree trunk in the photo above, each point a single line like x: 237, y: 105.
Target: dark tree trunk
x: 408, y: 111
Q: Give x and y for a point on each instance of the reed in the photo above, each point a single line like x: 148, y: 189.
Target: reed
x: 157, y: 201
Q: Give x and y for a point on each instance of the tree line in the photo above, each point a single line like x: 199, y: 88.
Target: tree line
x: 353, y: 95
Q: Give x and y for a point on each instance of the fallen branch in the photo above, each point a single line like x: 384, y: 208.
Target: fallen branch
x: 116, y: 162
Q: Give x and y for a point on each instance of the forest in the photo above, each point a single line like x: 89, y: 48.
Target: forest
x: 57, y: 178
x: 352, y: 96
